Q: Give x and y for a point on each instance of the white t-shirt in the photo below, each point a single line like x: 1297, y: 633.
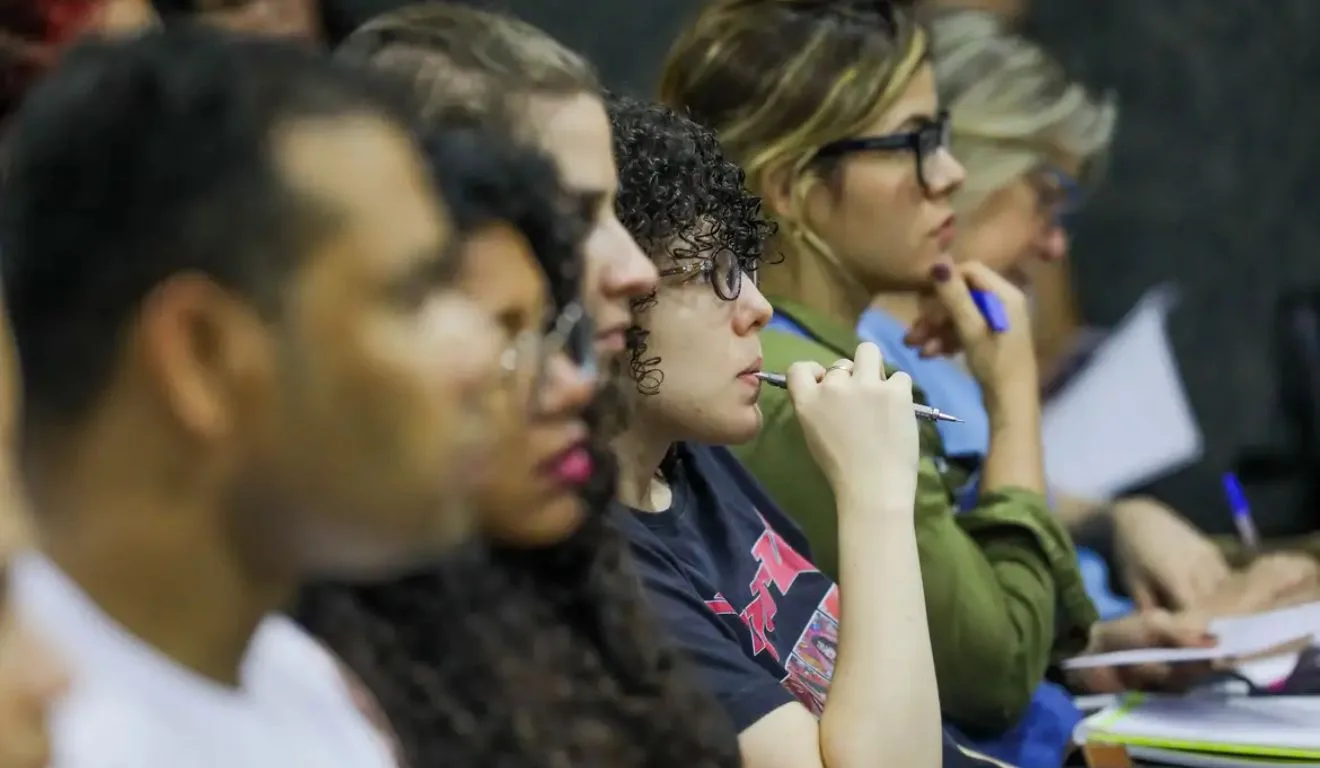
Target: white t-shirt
x: 131, y: 707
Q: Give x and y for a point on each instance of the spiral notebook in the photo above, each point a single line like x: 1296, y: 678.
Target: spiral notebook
x: 1211, y: 730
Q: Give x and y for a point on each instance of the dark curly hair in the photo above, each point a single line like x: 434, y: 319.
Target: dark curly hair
x: 511, y: 658
x: 681, y: 199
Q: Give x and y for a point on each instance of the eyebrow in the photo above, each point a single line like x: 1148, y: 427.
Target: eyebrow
x: 919, y: 120
x: 432, y: 266
x: 511, y: 319
x: 588, y: 202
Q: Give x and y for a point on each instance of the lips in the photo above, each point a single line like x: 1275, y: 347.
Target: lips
x: 612, y: 340
x: 753, y: 369
x: 572, y: 467
x: 944, y: 233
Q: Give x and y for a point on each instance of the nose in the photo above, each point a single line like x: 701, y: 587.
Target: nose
x: 566, y: 388
x: 753, y: 311
x: 947, y: 176
x: 1054, y: 243
x: 616, y: 265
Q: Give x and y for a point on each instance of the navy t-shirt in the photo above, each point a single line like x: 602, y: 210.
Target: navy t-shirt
x: 730, y: 577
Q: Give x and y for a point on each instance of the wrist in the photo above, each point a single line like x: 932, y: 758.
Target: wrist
x: 874, y: 501
x: 1097, y: 532
x: 1014, y: 404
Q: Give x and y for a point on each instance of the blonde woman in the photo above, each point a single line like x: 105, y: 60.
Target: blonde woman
x: 1028, y: 137
x: 1032, y: 142
x: 831, y: 109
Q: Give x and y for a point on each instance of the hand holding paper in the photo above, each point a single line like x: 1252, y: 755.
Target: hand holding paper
x: 1132, y: 653
x: 1133, y: 643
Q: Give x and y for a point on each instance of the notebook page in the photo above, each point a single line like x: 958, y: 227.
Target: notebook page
x: 1284, y: 722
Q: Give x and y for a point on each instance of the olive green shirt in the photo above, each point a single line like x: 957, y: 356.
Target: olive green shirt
x: 1003, y: 594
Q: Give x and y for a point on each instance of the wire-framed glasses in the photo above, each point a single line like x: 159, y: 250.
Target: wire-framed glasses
x: 526, y: 359
x: 723, y: 270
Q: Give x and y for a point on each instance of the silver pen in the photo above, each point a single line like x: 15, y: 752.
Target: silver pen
x: 922, y: 411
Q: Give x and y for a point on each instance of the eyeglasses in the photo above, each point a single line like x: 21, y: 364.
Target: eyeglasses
x: 723, y: 270
x: 883, y: 9
x: 527, y: 358
x: 1058, y: 193
x: 924, y: 143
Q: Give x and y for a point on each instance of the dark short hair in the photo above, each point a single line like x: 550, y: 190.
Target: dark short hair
x: 487, y: 177
x: 140, y: 159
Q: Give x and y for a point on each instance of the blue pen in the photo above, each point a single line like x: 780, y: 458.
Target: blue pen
x: 1241, y: 509
x: 992, y: 309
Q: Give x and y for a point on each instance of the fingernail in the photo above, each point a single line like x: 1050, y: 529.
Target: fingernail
x: 1210, y: 639
x: 941, y: 273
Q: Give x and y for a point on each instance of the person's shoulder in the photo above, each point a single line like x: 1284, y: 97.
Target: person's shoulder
x: 285, y: 658
x: 292, y: 668
x: 719, y: 467
x: 99, y: 724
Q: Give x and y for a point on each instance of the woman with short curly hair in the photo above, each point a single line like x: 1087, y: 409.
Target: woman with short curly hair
x: 730, y: 575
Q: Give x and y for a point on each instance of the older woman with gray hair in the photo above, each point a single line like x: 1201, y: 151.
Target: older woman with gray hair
x: 1032, y: 141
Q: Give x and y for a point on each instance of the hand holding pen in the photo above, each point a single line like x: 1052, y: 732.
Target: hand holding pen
x: 921, y: 411
x: 1240, y: 508
x: 972, y: 309
x: 858, y: 426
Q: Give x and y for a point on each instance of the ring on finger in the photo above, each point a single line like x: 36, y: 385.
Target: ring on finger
x: 842, y: 365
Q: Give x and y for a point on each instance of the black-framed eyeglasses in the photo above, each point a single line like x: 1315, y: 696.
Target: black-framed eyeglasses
x: 723, y: 270
x: 883, y: 9
x: 924, y: 143
x: 1058, y: 193
x: 527, y: 358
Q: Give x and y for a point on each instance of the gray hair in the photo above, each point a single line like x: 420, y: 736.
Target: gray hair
x: 1012, y: 106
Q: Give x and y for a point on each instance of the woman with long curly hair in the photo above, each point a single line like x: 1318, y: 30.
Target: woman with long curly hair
x: 536, y: 650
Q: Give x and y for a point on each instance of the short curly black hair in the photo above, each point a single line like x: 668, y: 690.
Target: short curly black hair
x: 680, y: 198
x: 510, y: 657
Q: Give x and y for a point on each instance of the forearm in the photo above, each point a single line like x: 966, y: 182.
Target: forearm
x: 1014, y: 456
x: 992, y: 616
x: 883, y: 708
x: 1075, y: 512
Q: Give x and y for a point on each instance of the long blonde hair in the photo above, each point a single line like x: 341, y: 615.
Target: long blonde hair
x: 1012, y: 105
x: 779, y: 79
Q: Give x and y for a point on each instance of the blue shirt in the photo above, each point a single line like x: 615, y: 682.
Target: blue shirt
x: 946, y: 385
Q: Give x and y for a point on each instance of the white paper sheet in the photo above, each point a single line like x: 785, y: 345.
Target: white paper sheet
x: 1238, y: 636
x: 1269, y: 671
x: 1123, y: 419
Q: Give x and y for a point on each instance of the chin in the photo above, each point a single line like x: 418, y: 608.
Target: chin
x: 736, y: 430
x: 540, y: 523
